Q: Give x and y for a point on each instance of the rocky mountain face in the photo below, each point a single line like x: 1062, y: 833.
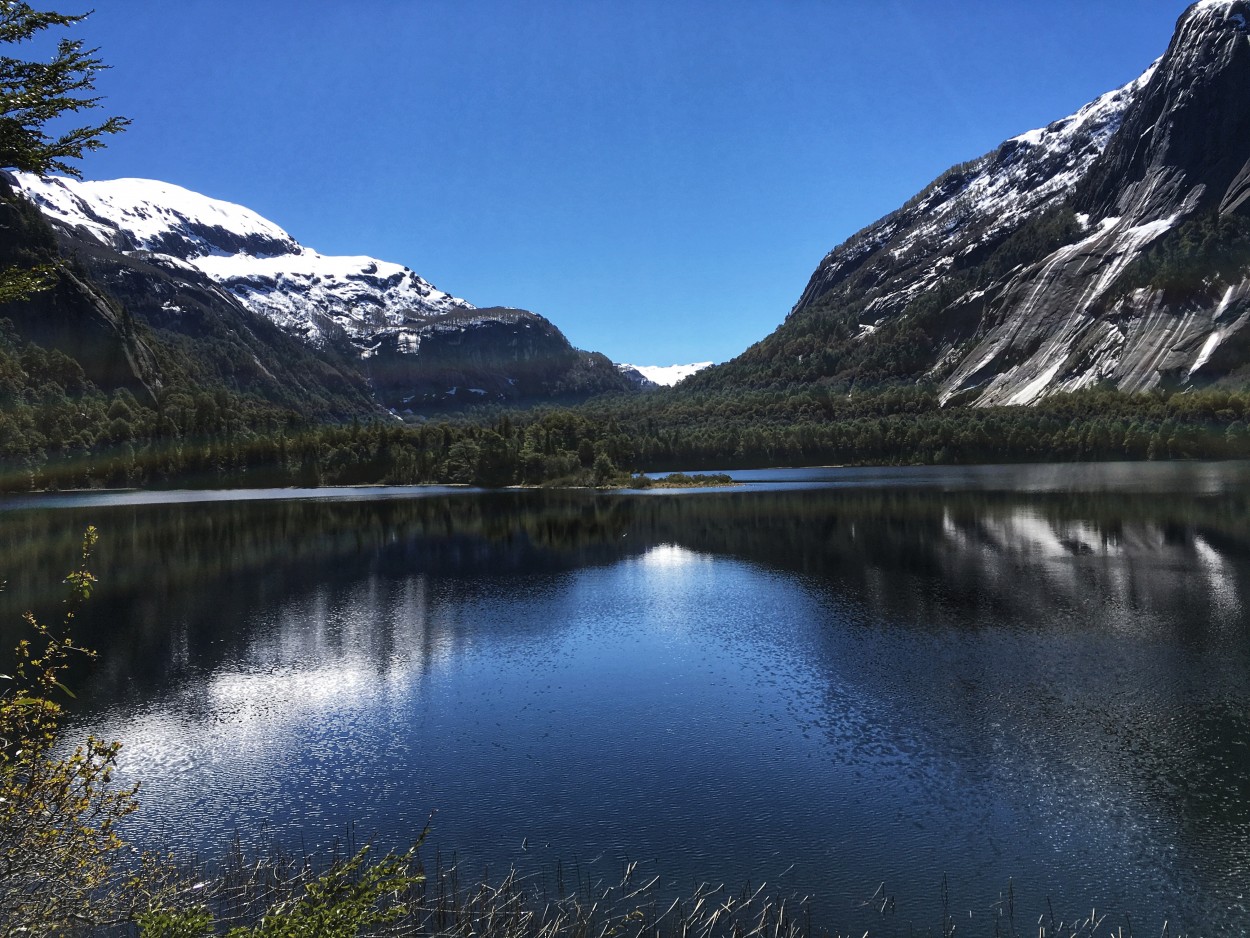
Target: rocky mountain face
x: 476, y: 355
x: 71, y: 317
x: 1109, y: 248
x: 186, y: 263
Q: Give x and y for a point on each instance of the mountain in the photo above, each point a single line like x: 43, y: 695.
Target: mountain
x: 665, y: 375
x: 1110, y: 248
x: 257, y: 262
x: 154, y: 246
x: 128, y: 323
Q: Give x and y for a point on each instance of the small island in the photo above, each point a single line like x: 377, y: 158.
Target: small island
x: 679, y: 480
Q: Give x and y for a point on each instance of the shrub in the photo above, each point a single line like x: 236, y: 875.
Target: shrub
x: 58, y: 813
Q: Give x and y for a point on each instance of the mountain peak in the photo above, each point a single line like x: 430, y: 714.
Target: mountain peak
x: 149, y: 215
x: 666, y: 375
x: 191, y: 265
x: 1185, y: 141
x: 1217, y: 12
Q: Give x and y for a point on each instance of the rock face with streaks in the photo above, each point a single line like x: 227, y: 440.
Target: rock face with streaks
x: 1111, y: 247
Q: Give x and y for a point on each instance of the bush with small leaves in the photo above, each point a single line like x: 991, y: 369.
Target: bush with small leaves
x: 58, y: 812
x: 351, y: 896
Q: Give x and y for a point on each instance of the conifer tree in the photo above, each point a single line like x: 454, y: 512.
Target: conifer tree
x: 36, y: 99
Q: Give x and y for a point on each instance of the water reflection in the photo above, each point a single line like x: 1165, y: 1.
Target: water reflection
x: 868, y: 684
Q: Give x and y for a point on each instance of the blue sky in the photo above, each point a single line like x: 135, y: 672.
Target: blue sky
x: 657, y: 178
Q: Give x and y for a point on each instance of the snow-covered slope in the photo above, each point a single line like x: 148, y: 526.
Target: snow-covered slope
x: 973, y: 204
x: 666, y: 375
x: 266, y: 269
x: 1181, y: 154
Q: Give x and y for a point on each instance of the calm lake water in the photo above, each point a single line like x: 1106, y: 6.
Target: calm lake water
x: 822, y: 679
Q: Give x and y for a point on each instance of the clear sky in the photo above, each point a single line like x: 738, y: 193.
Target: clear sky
x: 657, y: 177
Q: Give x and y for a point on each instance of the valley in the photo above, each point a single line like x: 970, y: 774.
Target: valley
x: 191, y: 341
x: 923, y: 612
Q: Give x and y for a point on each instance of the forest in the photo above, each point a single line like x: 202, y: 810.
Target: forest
x: 58, y: 430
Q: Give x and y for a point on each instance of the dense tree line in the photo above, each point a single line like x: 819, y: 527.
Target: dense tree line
x: 58, y: 430
x: 907, y: 426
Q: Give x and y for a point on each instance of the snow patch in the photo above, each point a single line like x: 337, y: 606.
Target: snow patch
x: 1129, y: 243
x: 1208, y: 347
x: 1031, y: 391
x: 867, y: 328
x: 1220, y: 9
x: 1213, y: 6
x: 1225, y: 303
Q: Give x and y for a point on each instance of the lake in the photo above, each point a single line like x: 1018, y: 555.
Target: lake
x: 826, y: 680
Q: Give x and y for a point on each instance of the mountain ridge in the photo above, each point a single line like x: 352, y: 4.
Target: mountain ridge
x: 251, y: 257
x: 664, y: 375
x: 416, y: 347
x: 1006, y: 279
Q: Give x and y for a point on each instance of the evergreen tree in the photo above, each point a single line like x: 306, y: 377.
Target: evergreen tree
x: 34, y: 96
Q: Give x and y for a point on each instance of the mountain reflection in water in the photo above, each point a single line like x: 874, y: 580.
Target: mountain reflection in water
x: 869, y: 683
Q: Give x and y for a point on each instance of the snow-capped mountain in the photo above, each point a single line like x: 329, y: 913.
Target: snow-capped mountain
x: 972, y: 205
x: 257, y: 262
x: 417, y: 346
x: 1046, y: 265
x: 662, y: 375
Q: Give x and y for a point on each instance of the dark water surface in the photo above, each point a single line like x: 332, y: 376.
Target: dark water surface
x: 822, y: 679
